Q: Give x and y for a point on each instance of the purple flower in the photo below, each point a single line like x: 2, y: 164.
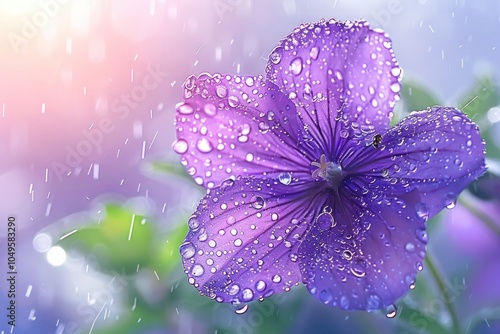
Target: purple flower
x: 306, y: 181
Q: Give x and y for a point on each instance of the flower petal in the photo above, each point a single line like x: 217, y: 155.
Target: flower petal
x: 367, y: 259
x: 337, y: 70
x: 230, y: 126
x: 438, y: 151
x: 243, y: 240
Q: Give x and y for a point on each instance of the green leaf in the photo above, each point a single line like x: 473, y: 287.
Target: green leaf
x: 169, y: 168
x: 416, y: 97
x: 480, y: 98
x: 120, y: 241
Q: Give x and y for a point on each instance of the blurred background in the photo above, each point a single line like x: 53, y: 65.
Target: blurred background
x: 87, y: 96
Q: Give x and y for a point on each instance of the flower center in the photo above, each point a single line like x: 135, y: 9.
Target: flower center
x: 331, y: 172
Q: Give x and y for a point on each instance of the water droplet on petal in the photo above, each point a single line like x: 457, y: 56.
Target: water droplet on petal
x: 275, y: 57
x: 410, y: 247
x: 395, y: 87
x: 325, y: 296
x: 325, y: 221
x: 184, y: 108
x: 450, y: 200
x: 197, y: 270
x: 187, y: 250
x: 422, y: 235
x: 314, y: 53
x: 247, y: 295
x: 233, y: 101
x: 249, y: 81
x: 230, y: 220
x: 276, y: 278
x: 204, y: 146
x: 296, y: 66
x: 258, y: 202
x: 422, y: 211
x: 234, y: 289
x: 193, y: 223
x: 285, y: 178
x: 260, y: 285
x: 180, y: 146
x: 221, y: 91
x: 210, y: 109
x: 358, y: 268
x: 391, y: 311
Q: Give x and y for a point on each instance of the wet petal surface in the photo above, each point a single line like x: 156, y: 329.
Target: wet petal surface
x: 367, y: 259
x: 243, y: 239
x: 437, y: 151
x: 335, y: 71
x: 231, y: 125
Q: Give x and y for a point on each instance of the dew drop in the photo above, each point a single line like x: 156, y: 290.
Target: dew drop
x: 285, y: 178
x: 358, y: 268
x: 395, y: 87
x: 180, y: 146
x: 450, y: 200
x: 258, y: 202
x: 184, y: 108
x: 234, y: 289
x: 230, y: 220
x: 422, y: 211
x: 249, y: 157
x: 238, y: 242
x: 197, y: 270
x: 373, y: 302
x: 260, y: 285
x: 410, y: 247
x: 204, y: 146
x: 263, y: 127
x: 391, y: 311
x: 210, y: 109
x: 247, y: 295
x: 296, y: 66
x: 221, y: 91
x: 249, y: 81
x: 276, y: 278
x: 314, y: 53
x: 325, y: 221
x: 233, y: 101
x: 422, y: 235
x: 187, y: 250
x: 193, y: 223
x: 275, y: 56
x: 325, y: 296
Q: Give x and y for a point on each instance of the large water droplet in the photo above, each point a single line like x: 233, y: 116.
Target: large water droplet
x: 314, y: 53
x: 221, y: 91
x: 234, y: 289
x: 180, y: 146
x: 391, y: 311
x: 285, y: 178
x: 325, y: 221
x: 210, y: 109
x: 276, y: 278
x: 410, y: 247
x: 296, y: 66
x: 187, y: 250
x: 260, y: 285
x: 197, y: 270
x: 204, y: 146
x: 249, y: 81
x: 275, y: 56
x: 184, y: 108
x: 247, y: 295
x: 450, y: 200
x: 193, y: 223
x: 233, y: 101
x: 325, y: 296
x: 358, y: 268
x: 258, y: 202
x: 422, y: 211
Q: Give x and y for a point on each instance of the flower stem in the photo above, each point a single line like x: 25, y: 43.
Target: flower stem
x: 442, y: 288
x: 484, y: 218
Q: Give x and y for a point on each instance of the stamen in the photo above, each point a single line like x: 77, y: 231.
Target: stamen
x: 328, y: 170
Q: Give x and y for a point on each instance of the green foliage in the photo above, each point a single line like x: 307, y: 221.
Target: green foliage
x: 417, y: 97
